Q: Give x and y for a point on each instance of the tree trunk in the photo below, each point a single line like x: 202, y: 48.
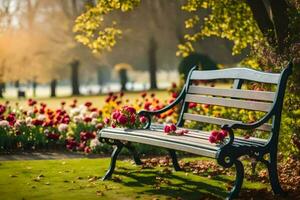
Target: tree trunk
x: 75, y: 77
x: 34, y: 86
x: 123, y: 79
x: 53, y: 85
x: 2, y: 89
x: 152, y: 62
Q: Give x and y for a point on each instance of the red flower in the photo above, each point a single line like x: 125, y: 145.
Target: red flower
x: 192, y: 105
x: 174, y: 85
x: 114, y: 125
x: 121, y: 94
x: 2, y: 109
x: 214, y: 133
x: 174, y: 95
x: 212, y: 139
x: 129, y: 109
x: 88, y: 104
x: 37, y: 122
x: 144, y: 94
x: 132, y: 119
x: 87, y: 119
x: 87, y: 150
x: 167, y: 129
x: 63, y: 103
x: 122, y: 119
x: 147, y: 106
x: 173, y: 127
x: 116, y: 114
x: 31, y: 102
x: 53, y: 136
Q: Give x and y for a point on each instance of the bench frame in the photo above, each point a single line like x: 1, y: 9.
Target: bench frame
x: 228, y: 154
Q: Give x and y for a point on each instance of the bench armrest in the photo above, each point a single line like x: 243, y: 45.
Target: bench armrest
x: 149, y: 114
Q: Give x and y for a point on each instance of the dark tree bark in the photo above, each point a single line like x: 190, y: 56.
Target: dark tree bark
x: 2, y: 89
x: 272, y: 19
x: 123, y: 79
x: 280, y: 20
x: 262, y: 18
x: 75, y: 77
x: 53, y: 85
x: 34, y: 86
x: 152, y: 62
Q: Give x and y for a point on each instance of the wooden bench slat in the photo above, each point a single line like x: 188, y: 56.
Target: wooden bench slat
x: 245, y: 94
x: 249, y: 105
x: 219, y: 121
x: 204, y: 134
x: 236, y: 73
x: 161, y: 143
x: 162, y: 136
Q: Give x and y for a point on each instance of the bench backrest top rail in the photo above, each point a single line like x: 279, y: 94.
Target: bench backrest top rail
x: 236, y: 73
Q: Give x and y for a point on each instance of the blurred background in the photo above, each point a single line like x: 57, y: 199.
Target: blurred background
x: 39, y: 56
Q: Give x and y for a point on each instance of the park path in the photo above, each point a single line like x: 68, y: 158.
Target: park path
x: 45, y: 156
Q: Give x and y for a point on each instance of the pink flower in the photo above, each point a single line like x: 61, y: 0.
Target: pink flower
x: 143, y: 119
x: 167, y: 129
x: 212, y: 139
x: 122, y: 119
x: 116, y: 114
x: 99, y: 126
x: 224, y: 133
x: 114, y: 125
x: 106, y: 120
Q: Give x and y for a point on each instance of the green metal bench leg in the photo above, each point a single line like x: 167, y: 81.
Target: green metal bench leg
x: 134, y: 153
x: 273, y: 175
x: 174, y: 160
x: 113, y: 161
x: 238, y: 180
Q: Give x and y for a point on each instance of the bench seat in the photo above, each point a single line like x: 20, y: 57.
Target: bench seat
x: 195, y: 142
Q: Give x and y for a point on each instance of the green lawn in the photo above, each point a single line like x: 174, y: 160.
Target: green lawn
x: 80, y: 179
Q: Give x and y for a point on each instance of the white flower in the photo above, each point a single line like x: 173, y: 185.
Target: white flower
x: 62, y: 127
x: 74, y: 112
x: 77, y: 119
x: 4, y: 123
x: 94, y: 115
x: 28, y: 120
x: 94, y: 143
x: 94, y: 121
x: 19, y: 123
x: 41, y: 117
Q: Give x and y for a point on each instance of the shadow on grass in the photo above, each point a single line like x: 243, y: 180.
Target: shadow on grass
x: 172, y: 185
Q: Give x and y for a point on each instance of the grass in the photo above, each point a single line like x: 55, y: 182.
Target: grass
x: 80, y: 179
x: 98, y: 101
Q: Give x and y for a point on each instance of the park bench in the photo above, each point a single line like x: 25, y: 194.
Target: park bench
x: 196, y: 141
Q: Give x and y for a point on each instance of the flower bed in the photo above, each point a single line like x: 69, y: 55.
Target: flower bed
x: 73, y: 126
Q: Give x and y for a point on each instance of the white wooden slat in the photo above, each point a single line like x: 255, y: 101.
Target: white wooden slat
x: 245, y: 94
x: 219, y: 121
x: 205, y: 134
x: 249, y: 105
x: 236, y: 73
x: 158, y: 142
x: 161, y: 135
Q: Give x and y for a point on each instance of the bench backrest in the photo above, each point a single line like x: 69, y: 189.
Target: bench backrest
x: 235, y: 97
